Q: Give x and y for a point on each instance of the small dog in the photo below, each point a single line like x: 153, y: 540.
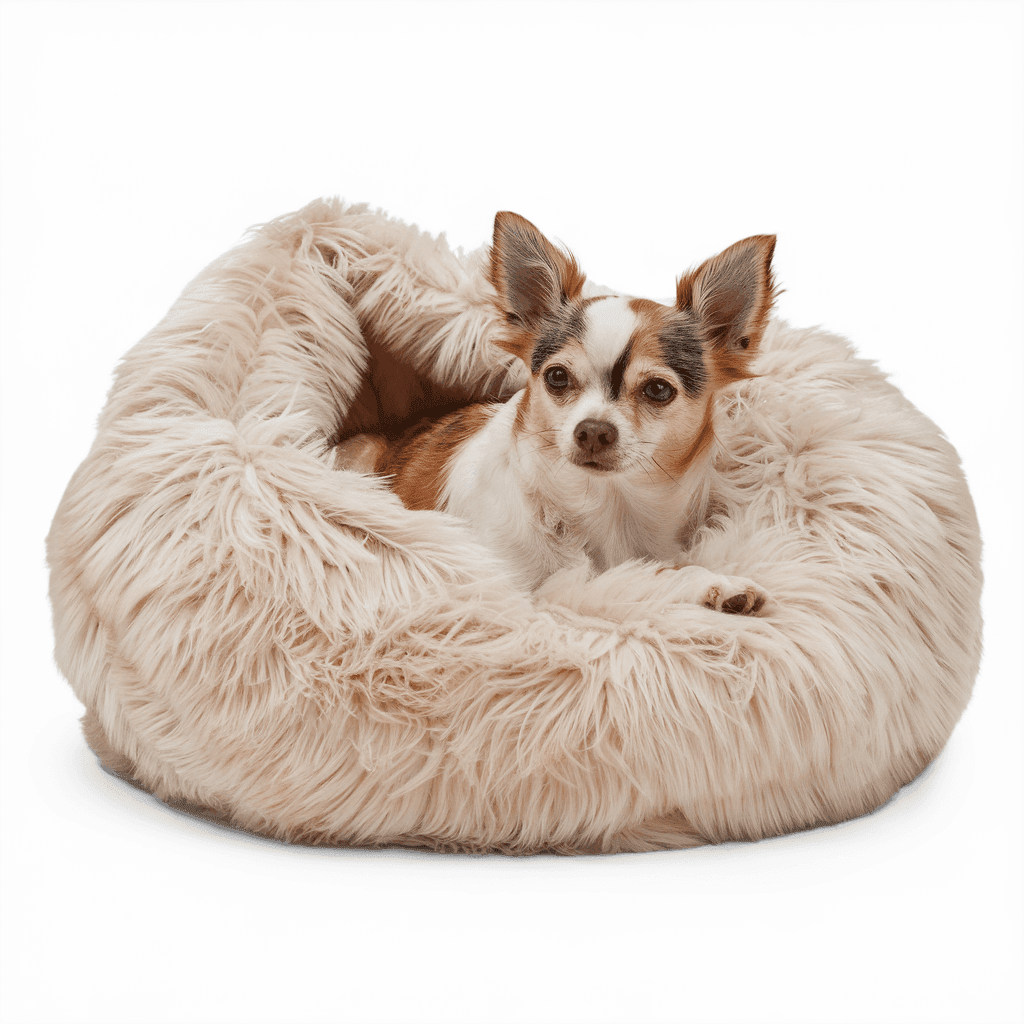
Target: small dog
x: 605, y: 455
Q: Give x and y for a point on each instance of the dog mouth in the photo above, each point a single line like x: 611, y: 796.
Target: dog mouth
x: 596, y: 467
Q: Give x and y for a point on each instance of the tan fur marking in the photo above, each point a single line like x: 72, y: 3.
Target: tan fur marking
x: 653, y: 316
x: 685, y: 417
x: 535, y: 420
x: 522, y: 413
x: 649, y: 309
x: 573, y: 356
x: 419, y: 460
x: 516, y: 341
x: 682, y: 454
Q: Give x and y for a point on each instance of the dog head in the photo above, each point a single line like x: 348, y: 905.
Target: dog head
x: 619, y: 384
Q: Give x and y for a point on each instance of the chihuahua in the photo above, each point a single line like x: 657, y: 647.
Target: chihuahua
x: 605, y: 455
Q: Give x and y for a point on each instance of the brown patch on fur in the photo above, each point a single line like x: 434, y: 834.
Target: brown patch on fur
x: 686, y: 418
x: 419, y: 460
x: 565, y: 326
x: 533, y: 419
x: 649, y: 310
x: 570, y: 356
x: 681, y: 448
x: 522, y: 413
x: 673, y: 338
x: 653, y: 317
x: 517, y: 342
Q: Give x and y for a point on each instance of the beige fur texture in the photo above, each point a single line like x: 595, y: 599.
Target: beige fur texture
x: 262, y: 638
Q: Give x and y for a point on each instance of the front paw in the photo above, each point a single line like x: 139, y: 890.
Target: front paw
x: 733, y: 595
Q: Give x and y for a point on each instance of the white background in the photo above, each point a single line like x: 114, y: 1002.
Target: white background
x: 881, y: 143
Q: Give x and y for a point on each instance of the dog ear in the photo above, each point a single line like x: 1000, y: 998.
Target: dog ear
x: 731, y: 295
x: 532, y: 277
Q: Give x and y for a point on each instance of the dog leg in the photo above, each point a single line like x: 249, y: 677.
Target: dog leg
x: 733, y: 595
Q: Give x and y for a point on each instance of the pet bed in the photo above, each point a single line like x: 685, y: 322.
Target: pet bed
x: 261, y: 637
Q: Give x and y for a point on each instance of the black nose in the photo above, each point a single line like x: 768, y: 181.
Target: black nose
x: 594, y: 436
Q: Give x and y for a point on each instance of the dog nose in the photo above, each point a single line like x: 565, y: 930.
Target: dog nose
x: 594, y: 436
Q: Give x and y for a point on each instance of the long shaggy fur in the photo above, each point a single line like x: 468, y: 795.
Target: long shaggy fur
x: 266, y: 639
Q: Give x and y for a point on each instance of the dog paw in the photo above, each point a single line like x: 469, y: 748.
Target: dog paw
x: 732, y: 595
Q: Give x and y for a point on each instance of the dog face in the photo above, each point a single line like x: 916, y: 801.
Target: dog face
x: 624, y: 385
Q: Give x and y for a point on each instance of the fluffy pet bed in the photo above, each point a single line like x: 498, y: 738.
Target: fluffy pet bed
x: 263, y: 638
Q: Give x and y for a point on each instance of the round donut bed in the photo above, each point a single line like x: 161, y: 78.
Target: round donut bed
x: 262, y: 638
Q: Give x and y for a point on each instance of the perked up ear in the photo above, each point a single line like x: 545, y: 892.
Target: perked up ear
x: 731, y: 295
x: 532, y: 277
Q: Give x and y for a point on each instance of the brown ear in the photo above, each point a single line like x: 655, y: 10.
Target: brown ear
x: 731, y: 295
x: 532, y: 277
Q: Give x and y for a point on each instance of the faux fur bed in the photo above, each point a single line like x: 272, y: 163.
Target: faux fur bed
x: 259, y: 636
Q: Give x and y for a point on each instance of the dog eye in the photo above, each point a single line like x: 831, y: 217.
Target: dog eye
x: 557, y: 378
x: 659, y: 390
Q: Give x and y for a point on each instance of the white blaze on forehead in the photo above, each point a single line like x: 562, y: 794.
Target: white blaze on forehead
x: 610, y: 322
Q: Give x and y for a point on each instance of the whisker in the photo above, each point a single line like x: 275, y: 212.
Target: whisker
x: 664, y: 470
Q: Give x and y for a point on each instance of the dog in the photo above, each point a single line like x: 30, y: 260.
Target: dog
x: 605, y: 455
